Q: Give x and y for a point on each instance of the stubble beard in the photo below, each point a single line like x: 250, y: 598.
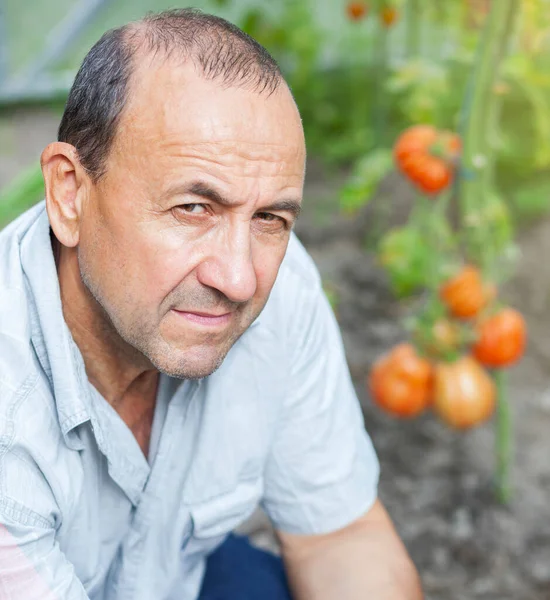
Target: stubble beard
x: 140, y: 344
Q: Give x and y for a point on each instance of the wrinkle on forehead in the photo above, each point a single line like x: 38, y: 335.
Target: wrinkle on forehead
x: 228, y: 153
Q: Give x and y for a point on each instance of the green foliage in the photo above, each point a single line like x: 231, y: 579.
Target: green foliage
x: 403, y: 254
x: 525, y: 131
x: 421, y: 90
x: 531, y: 200
x: 367, y: 174
x: 358, y: 85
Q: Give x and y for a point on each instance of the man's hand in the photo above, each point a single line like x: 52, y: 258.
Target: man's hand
x: 364, y: 561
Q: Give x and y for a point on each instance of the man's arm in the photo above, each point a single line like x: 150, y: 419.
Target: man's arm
x: 32, y: 567
x: 32, y: 564
x: 365, y: 560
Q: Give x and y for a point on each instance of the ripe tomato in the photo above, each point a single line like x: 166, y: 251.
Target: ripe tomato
x: 501, y: 338
x: 464, y: 394
x: 389, y: 15
x: 465, y: 294
x: 401, y: 382
x: 356, y: 10
x: 425, y: 156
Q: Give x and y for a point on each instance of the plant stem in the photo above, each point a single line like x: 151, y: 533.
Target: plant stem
x: 412, y: 44
x: 476, y: 119
x: 503, y: 439
x: 380, y: 69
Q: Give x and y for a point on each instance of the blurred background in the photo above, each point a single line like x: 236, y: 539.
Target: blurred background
x: 388, y: 230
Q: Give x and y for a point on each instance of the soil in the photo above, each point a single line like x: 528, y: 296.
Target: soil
x: 437, y: 484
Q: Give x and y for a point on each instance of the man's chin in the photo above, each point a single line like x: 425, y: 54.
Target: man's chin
x: 191, y: 364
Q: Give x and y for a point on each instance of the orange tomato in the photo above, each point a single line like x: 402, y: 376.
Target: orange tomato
x: 501, y: 338
x: 356, y: 10
x: 389, y: 15
x: 425, y: 156
x: 464, y: 394
x: 465, y: 294
x: 400, y: 382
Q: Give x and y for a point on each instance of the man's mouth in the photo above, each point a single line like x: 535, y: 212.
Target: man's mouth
x: 205, y: 318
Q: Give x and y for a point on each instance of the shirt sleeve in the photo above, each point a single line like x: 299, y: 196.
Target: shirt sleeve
x: 322, y: 471
x: 32, y: 566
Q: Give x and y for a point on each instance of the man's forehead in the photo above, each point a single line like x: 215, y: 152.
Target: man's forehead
x: 170, y: 98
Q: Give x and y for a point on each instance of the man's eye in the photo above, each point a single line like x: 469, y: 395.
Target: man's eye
x: 195, y: 209
x: 269, y: 217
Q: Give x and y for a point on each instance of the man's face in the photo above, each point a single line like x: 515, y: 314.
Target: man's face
x: 182, y: 238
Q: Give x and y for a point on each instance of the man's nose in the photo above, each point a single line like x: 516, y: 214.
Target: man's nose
x: 229, y: 267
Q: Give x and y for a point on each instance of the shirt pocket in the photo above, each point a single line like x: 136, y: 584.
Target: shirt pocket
x: 213, y: 519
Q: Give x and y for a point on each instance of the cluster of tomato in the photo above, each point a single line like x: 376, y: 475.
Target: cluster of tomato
x: 406, y: 381
x: 358, y: 10
x: 427, y: 157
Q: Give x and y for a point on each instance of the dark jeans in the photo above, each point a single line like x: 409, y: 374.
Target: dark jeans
x: 238, y: 571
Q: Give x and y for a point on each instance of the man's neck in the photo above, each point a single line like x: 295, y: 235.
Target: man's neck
x: 124, y: 377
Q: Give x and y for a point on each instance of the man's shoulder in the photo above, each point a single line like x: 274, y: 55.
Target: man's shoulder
x: 11, y: 272
x: 15, y: 319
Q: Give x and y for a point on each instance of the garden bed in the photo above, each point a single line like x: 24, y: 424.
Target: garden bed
x: 437, y: 483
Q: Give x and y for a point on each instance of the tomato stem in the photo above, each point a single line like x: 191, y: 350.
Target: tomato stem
x: 503, y: 439
x: 413, y: 21
x: 379, y: 113
x: 477, y: 119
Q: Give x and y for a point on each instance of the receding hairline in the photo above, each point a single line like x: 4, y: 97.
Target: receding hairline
x: 145, y: 54
x: 145, y: 38
x: 219, y: 51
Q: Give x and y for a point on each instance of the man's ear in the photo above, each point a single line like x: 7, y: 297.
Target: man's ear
x: 67, y: 185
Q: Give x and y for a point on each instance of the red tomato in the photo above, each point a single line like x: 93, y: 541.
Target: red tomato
x: 401, y: 382
x: 465, y: 294
x: 425, y: 156
x: 501, y: 338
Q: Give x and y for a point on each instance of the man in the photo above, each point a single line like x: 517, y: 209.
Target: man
x: 167, y: 357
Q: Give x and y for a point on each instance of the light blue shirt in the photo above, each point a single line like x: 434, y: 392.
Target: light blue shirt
x: 83, y: 514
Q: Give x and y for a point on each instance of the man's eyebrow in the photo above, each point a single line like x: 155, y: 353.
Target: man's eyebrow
x: 204, y: 190
x: 292, y: 206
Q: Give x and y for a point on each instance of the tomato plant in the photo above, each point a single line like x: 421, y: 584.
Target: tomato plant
x: 463, y: 229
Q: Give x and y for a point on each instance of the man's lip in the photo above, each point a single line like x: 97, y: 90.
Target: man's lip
x: 203, y: 314
x: 202, y: 319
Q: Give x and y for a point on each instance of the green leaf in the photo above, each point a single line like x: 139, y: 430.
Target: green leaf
x: 402, y: 252
x: 531, y: 200
x: 366, y: 176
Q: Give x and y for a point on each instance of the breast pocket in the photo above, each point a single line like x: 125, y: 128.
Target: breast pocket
x: 213, y: 519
